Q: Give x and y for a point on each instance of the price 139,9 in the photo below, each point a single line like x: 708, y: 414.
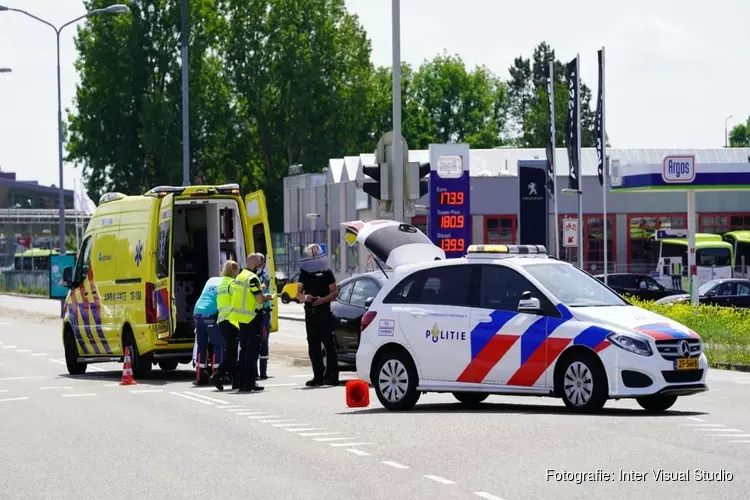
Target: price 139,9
x: 452, y: 245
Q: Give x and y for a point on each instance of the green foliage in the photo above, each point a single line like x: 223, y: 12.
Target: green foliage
x: 725, y: 330
x: 274, y: 83
x: 739, y: 136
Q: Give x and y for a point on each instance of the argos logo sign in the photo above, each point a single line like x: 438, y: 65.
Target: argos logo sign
x: 678, y: 169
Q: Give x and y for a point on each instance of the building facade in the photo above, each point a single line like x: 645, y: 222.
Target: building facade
x: 316, y: 204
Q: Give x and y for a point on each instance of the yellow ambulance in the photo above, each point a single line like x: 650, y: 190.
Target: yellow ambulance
x: 142, y: 265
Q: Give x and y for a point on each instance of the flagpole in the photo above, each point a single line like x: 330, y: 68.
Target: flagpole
x: 605, y: 173
x: 554, y: 162
x: 578, y: 155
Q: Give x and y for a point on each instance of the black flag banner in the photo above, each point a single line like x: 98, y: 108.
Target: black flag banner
x: 599, y: 116
x: 571, y: 124
x: 551, y: 132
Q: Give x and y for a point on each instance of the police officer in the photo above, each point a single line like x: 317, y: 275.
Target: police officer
x: 265, y: 281
x: 247, y: 302
x: 316, y: 289
x: 229, y: 331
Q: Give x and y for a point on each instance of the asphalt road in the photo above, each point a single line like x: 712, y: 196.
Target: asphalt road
x: 88, y: 437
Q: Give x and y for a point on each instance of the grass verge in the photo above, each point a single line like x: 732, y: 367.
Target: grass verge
x: 724, y: 330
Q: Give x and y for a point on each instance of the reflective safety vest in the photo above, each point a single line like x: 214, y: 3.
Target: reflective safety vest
x: 224, y: 299
x: 243, y: 290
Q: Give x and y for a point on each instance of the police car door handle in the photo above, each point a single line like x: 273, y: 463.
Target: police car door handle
x: 418, y: 313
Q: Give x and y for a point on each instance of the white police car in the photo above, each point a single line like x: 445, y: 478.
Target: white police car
x: 511, y: 320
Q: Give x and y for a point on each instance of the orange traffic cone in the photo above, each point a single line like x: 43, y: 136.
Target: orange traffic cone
x: 127, y: 370
x: 357, y: 394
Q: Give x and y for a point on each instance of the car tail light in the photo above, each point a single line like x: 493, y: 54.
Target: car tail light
x: 366, y: 320
x: 150, y: 303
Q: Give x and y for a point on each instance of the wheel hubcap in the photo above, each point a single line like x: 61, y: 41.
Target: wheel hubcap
x: 393, y: 380
x: 578, y: 383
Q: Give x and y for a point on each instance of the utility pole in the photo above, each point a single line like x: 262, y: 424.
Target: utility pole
x: 185, y: 99
x: 398, y: 156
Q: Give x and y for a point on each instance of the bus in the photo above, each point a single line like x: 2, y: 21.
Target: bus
x: 740, y: 241
x: 713, y: 258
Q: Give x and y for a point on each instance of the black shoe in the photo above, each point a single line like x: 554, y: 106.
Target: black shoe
x: 334, y: 381
x: 201, y: 382
x: 315, y: 382
x: 263, y: 377
x: 257, y: 388
x: 216, y: 381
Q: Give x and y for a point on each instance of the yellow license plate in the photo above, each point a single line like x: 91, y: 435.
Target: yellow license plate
x: 686, y: 364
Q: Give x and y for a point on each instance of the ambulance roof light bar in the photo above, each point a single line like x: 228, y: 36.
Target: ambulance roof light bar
x: 506, y: 251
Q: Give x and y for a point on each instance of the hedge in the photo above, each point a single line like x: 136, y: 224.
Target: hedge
x: 725, y: 330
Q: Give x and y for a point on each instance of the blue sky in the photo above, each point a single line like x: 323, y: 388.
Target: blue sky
x: 675, y: 69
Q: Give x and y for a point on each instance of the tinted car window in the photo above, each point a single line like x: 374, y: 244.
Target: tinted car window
x: 743, y: 289
x: 344, y: 293
x: 363, y: 289
x: 445, y: 285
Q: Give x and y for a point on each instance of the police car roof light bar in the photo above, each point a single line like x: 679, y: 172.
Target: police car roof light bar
x: 500, y: 251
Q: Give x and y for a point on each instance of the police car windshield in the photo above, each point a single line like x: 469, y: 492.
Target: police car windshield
x: 573, y: 287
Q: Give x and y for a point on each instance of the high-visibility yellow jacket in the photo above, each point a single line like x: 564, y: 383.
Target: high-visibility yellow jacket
x: 243, y: 290
x: 224, y: 299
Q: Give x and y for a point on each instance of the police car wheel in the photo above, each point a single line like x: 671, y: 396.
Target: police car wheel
x: 583, y: 383
x: 656, y: 404
x: 395, y: 381
x: 71, y: 355
x: 470, y: 398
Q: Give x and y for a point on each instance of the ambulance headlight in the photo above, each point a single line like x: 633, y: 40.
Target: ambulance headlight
x: 630, y: 343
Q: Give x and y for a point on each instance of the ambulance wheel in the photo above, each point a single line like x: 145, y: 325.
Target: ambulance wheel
x: 168, y: 364
x: 71, y: 354
x: 395, y: 380
x: 470, y: 398
x: 656, y: 404
x: 285, y: 298
x: 581, y: 381
x: 141, y: 365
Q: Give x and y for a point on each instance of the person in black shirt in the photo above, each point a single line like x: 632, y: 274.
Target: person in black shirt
x: 316, y: 289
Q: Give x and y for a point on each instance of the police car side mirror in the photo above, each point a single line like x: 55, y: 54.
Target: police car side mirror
x: 368, y: 302
x: 529, y: 304
x: 67, y: 276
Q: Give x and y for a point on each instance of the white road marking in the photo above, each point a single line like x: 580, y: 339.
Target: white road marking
x: 359, y: 452
x: 9, y: 347
x: 230, y: 407
x: 299, y: 376
x: 325, y: 440
x: 79, y: 395
x: 96, y: 369
x: 731, y: 435
x: 214, y: 400
x: 740, y: 441
x: 191, y: 398
x: 395, y: 465
x: 695, y: 419
x: 313, y: 434
x: 287, y: 425
x: 337, y: 445
x: 58, y: 361
x: 39, y: 354
x: 272, y: 421
x: 306, y: 430
x: 4, y: 390
x: 20, y: 378
x: 13, y: 399
x: 51, y: 388
x: 716, y: 430
x: 145, y: 391
x: 113, y: 384
x: 486, y: 496
x: 4, y: 324
x: 702, y: 425
x: 279, y: 385
x: 256, y: 417
x: 254, y: 413
x: 24, y: 350
x: 439, y: 479
x: 234, y: 410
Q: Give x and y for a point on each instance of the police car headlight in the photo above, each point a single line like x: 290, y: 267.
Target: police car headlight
x: 631, y: 344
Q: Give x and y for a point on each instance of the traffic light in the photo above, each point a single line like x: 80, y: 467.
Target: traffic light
x: 424, y: 178
x: 378, y: 185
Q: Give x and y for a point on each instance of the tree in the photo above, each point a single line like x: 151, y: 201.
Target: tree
x: 739, y: 136
x: 301, y: 72
x: 528, y: 95
x: 126, y: 132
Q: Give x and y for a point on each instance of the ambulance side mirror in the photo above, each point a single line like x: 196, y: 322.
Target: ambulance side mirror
x: 67, y: 277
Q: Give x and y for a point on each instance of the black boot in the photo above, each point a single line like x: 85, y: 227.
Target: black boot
x: 315, y: 382
x: 216, y: 381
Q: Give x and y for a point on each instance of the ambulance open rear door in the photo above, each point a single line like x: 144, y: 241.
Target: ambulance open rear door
x: 165, y: 307
x: 258, y: 240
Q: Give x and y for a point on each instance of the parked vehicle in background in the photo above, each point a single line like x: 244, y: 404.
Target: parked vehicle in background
x: 641, y: 286
x: 355, y: 295
x: 740, y: 240
x: 289, y: 291
x: 732, y: 292
x: 281, y: 281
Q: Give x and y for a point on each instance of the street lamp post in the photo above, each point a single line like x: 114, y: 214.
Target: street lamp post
x: 112, y: 9
x: 726, y: 131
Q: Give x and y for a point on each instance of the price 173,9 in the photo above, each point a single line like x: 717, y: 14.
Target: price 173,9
x: 452, y: 244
